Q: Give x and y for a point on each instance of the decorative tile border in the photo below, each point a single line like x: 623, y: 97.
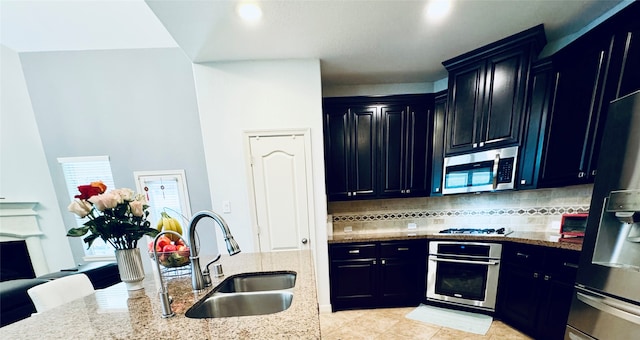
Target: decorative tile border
x: 403, y: 215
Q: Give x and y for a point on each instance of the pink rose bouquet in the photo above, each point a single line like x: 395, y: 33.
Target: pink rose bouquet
x: 119, y: 216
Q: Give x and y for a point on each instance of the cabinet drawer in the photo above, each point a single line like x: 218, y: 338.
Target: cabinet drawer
x: 402, y: 249
x: 524, y: 256
x: 562, y: 264
x: 353, y: 251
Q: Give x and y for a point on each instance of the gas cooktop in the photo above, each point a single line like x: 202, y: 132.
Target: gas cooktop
x: 477, y: 231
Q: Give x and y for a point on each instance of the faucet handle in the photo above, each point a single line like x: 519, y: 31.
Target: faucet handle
x: 205, y: 273
x: 206, y: 277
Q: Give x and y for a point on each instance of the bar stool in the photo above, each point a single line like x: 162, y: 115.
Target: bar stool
x: 60, y: 291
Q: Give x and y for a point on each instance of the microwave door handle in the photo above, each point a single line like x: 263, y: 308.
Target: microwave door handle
x: 495, y: 172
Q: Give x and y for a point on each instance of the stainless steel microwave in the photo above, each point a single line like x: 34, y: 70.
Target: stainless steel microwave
x: 489, y: 170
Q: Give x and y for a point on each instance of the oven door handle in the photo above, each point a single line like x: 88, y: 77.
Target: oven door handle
x: 493, y: 263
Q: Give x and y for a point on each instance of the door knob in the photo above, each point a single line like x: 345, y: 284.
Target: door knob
x: 304, y: 241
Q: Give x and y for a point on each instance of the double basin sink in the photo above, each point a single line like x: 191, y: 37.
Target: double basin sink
x: 247, y: 294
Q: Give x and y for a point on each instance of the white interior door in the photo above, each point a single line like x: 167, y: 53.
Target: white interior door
x: 279, y: 176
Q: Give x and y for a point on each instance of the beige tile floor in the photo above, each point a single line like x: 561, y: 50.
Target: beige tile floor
x: 390, y: 323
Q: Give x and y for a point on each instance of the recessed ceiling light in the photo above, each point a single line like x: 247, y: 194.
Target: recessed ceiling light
x: 438, y: 9
x: 249, y: 11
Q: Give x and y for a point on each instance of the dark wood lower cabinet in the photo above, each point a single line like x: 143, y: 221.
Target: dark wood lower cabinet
x: 534, y: 291
x: 536, y: 287
x: 378, y: 274
x: 353, y: 283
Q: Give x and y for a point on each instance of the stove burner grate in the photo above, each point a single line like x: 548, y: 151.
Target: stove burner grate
x: 474, y: 231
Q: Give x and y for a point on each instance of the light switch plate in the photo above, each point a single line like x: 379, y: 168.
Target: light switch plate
x: 226, y: 207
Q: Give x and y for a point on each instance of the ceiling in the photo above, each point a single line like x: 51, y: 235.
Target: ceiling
x: 357, y: 41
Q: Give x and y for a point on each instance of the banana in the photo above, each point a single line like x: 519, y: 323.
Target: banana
x: 168, y: 223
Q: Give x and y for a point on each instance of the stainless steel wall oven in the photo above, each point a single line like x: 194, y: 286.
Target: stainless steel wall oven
x: 464, y: 273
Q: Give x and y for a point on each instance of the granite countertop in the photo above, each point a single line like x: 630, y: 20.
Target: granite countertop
x: 546, y: 239
x: 114, y: 313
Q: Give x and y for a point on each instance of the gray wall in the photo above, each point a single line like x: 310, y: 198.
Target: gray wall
x: 136, y: 106
x: 24, y: 173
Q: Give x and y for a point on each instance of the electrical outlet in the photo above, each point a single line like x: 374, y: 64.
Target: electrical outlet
x: 348, y: 229
x: 411, y: 226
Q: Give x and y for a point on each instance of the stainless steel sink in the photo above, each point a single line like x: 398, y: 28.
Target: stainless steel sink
x: 241, y: 304
x: 256, y: 282
x: 247, y: 294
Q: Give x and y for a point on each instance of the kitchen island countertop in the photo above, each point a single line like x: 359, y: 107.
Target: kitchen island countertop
x: 114, y: 313
x: 546, y: 239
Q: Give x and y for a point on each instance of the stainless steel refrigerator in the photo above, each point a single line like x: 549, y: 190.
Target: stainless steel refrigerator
x: 606, y: 301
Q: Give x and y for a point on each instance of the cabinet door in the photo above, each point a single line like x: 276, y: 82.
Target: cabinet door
x: 353, y: 275
x: 417, y: 165
x: 558, y: 279
x: 503, y: 99
x: 554, y: 309
x: 402, y: 273
x: 574, y: 112
x: 519, y: 293
x: 536, y: 116
x: 337, y: 143
x: 404, y: 150
x: 353, y: 283
x: 395, y: 135
x: 465, y: 108
x: 399, y: 282
x: 437, y: 159
x: 363, y: 150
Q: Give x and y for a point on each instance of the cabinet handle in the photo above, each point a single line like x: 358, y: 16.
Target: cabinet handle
x: 402, y: 191
x: 594, y: 172
x: 354, y: 193
x: 356, y: 251
x: 437, y: 189
x: 408, y: 191
x: 519, y: 254
x: 349, y: 194
x: 547, y: 277
x: 475, y: 145
x: 383, y: 262
x: 481, y: 144
x: 536, y: 275
x: 570, y: 265
x: 581, y: 174
x: 374, y: 262
x: 523, y: 181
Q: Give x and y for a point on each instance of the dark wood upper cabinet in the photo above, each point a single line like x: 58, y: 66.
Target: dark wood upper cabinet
x: 535, y: 125
x: 487, y: 90
x: 405, y: 145
x: 377, y: 146
x: 437, y: 160
x: 575, y: 117
x: 350, y: 150
x: 584, y: 78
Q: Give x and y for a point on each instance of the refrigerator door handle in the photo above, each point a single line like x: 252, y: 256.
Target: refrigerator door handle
x: 620, y: 309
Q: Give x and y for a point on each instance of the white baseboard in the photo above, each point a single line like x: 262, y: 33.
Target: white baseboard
x: 325, y: 308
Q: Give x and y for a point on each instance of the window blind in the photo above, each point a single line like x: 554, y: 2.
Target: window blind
x: 81, y: 171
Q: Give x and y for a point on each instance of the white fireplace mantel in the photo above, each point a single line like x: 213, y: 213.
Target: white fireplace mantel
x: 19, y: 221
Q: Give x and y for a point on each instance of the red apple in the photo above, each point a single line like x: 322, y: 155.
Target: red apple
x: 169, y: 248
x: 183, y: 250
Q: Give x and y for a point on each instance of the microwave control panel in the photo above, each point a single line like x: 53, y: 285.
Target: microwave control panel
x: 505, y: 170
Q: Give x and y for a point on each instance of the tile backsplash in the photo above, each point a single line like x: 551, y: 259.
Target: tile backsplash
x: 530, y: 210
